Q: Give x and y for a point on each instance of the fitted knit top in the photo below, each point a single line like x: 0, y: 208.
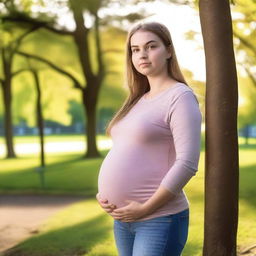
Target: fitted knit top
x: 156, y: 144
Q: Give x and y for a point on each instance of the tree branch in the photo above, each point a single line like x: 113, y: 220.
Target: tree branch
x: 53, y: 66
x: 19, y: 39
x: 81, y: 37
x: 19, y: 71
x: 58, y: 31
x: 101, y: 67
x: 38, y: 24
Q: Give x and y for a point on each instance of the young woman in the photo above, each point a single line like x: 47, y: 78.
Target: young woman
x: 156, y: 147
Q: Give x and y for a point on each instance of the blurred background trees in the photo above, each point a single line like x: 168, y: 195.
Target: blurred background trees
x: 77, y: 48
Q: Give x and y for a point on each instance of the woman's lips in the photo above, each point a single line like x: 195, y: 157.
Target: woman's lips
x: 144, y: 64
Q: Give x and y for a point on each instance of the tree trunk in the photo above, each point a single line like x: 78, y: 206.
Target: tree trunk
x: 39, y: 117
x: 90, y: 104
x: 222, y: 167
x: 93, y: 81
x: 7, y: 99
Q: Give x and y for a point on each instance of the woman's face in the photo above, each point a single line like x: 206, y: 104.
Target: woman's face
x: 149, y: 54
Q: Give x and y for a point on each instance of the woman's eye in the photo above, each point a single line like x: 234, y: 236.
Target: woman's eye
x: 135, y: 50
x: 151, y: 46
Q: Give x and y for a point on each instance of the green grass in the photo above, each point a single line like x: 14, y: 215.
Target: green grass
x: 48, y: 138
x: 84, y: 229
x: 64, y: 174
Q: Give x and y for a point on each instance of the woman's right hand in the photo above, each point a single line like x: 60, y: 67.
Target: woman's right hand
x: 105, y: 205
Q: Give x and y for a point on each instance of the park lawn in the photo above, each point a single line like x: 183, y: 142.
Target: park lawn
x: 49, y: 138
x: 84, y: 229
x: 64, y: 174
x: 75, y: 137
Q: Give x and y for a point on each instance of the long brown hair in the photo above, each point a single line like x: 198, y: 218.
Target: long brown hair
x: 137, y: 83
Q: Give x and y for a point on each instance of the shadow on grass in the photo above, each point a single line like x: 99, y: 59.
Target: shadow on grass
x: 65, y: 175
x: 68, y: 241
x: 247, y: 146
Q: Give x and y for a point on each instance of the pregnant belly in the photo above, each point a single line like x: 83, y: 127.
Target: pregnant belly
x: 122, y: 178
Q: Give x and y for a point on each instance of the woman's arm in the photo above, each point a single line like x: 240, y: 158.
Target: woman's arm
x: 185, y: 125
x: 158, y: 199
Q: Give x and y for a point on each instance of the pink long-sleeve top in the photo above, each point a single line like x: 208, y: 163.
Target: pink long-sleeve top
x: 156, y: 144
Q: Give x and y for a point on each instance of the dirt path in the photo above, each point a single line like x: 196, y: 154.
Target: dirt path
x: 20, y: 216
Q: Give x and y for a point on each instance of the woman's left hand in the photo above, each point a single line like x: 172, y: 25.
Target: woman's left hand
x: 130, y: 212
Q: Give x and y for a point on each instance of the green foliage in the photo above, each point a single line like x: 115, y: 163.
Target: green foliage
x: 58, y: 90
x: 247, y: 109
x: 76, y: 111
x: 114, y: 58
x: 58, y: 49
x: 24, y: 99
x: 56, y: 94
x: 62, y: 51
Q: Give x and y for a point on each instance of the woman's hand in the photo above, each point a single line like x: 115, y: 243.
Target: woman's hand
x: 105, y: 205
x: 131, y: 212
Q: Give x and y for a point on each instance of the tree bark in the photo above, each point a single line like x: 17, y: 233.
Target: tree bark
x: 93, y: 81
x: 222, y: 167
x: 89, y: 103
x: 7, y: 99
x: 39, y: 117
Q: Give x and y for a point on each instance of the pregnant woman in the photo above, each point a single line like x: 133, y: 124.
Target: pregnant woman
x: 156, y: 148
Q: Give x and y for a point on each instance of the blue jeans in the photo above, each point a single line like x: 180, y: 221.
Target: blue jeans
x: 161, y: 236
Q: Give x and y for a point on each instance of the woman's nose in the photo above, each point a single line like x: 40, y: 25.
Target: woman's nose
x: 143, y: 54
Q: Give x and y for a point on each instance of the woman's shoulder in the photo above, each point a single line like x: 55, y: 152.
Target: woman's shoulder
x: 180, y: 90
x: 182, y: 87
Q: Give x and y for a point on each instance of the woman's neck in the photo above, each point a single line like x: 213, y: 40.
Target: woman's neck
x: 158, y: 84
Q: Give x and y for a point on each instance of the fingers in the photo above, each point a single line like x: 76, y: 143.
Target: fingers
x: 100, y: 199
x: 108, y: 210
x: 119, y: 211
x: 124, y: 219
x: 108, y: 206
x: 105, y: 205
x: 121, y: 216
